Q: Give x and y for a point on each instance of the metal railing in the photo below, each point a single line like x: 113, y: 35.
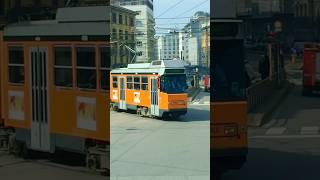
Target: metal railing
x: 258, y: 93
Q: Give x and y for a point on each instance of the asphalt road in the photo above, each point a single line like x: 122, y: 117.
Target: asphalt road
x: 13, y: 168
x: 288, y: 147
x: 145, y: 148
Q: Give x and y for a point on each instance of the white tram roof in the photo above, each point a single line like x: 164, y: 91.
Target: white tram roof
x: 74, y: 21
x: 157, y: 67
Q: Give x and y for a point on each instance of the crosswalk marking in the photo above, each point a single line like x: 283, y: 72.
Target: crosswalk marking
x: 275, y: 131
x: 285, y: 137
x: 202, y: 103
x: 284, y: 132
x: 309, y: 130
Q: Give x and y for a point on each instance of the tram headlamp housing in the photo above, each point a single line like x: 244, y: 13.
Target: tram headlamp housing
x: 230, y: 130
x: 181, y: 102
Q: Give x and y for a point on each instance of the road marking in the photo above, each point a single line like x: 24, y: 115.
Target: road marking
x: 275, y: 131
x: 199, y: 105
x: 285, y: 137
x: 309, y: 130
x: 195, y: 103
x: 207, y: 102
x: 281, y: 122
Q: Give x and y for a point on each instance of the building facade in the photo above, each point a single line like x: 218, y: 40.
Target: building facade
x: 192, y: 38
x: 168, y: 46
x: 122, y: 36
x: 144, y: 27
x: 205, y: 47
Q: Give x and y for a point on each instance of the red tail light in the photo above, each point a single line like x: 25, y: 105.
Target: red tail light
x: 158, y: 82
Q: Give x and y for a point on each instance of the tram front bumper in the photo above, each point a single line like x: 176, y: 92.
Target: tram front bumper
x: 174, y: 112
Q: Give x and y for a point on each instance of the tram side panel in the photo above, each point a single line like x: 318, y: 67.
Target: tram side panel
x: 15, y: 100
x: 141, y: 97
x: 138, y: 96
x: 73, y: 115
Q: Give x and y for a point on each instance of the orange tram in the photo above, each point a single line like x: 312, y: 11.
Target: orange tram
x: 54, y: 85
x: 155, y: 89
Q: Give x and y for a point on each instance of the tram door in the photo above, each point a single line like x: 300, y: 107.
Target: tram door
x: 154, y: 97
x: 40, y: 135
x: 122, y: 94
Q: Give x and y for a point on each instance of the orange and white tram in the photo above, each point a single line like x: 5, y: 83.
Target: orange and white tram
x: 54, y: 84
x: 156, y: 89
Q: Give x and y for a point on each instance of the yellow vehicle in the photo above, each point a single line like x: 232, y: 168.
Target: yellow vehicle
x: 228, y: 97
x: 54, y: 85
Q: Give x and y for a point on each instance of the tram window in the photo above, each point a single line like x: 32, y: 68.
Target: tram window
x: 129, y: 82
x: 16, y: 65
x: 86, y: 57
x: 144, y: 84
x: 136, y: 83
x: 105, y: 67
x: 105, y: 79
x: 115, y: 82
x: 86, y: 68
x: 63, y: 66
x: 228, y: 71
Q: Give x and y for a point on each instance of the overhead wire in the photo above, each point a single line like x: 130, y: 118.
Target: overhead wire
x: 167, y: 10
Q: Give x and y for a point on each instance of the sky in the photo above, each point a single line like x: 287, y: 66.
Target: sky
x: 174, y: 9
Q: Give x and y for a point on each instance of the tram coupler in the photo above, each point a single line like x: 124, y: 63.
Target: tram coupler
x: 4, y: 139
x: 98, y: 159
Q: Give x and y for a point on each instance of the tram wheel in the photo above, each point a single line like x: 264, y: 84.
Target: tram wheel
x: 92, y: 162
x: 16, y: 149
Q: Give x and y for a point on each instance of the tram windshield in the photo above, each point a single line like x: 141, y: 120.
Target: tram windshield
x: 173, y: 84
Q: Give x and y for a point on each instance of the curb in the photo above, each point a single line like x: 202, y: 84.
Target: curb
x: 257, y: 119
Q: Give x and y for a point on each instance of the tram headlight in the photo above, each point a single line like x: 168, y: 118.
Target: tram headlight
x: 230, y: 130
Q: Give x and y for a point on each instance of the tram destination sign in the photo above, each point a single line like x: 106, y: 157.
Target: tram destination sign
x: 174, y: 71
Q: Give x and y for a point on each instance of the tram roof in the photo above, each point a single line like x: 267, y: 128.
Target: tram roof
x: 75, y: 21
x: 157, y: 67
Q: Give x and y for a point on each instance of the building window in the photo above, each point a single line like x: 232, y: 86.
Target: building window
x: 86, y: 68
x: 129, y: 82
x: 126, y: 20
x: 131, y: 21
x: 63, y: 67
x: 136, y: 83
x: 114, y: 18
x: 105, y: 67
x: 16, y: 65
x: 114, y: 34
x: 120, y: 19
x: 127, y: 35
x: 139, y: 23
x: 120, y: 35
x: 115, y: 81
x: 144, y: 83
